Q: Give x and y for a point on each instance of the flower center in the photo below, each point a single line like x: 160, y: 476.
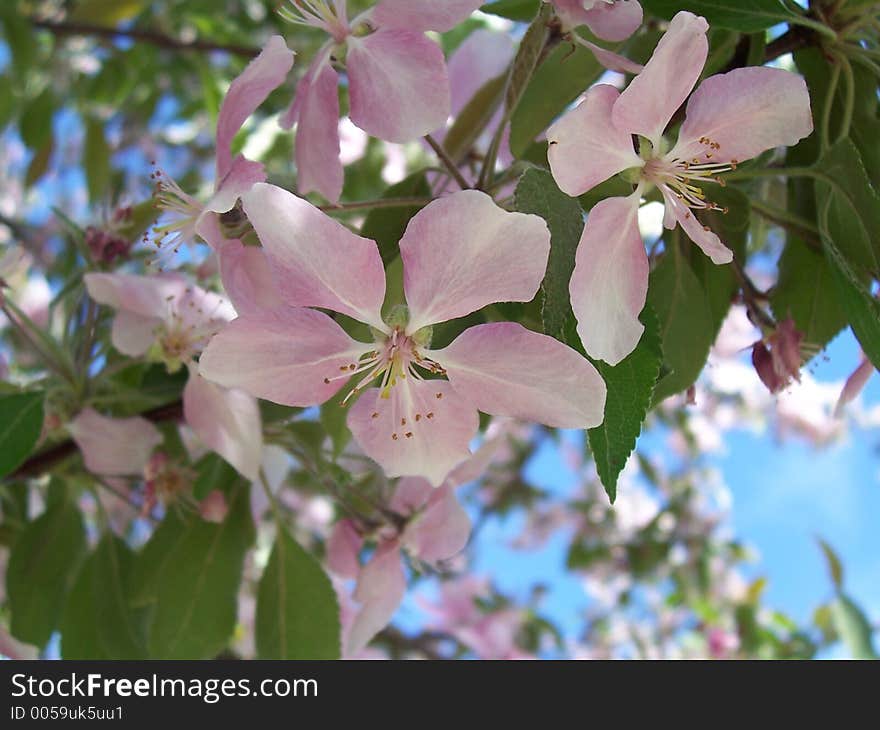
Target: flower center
x: 183, y: 333
x: 395, y: 357
x: 685, y: 178
x: 181, y: 213
x: 328, y: 15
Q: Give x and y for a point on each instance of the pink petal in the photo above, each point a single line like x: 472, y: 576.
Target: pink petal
x: 615, y: 22
x: 316, y: 113
x: 147, y: 296
x: 398, y: 86
x: 610, y: 280
x: 463, y: 252
x: 422, y: 15
x: 380, y: 589
x: 250, y: 89
x: 744, y: 112
x: 227, y: 421
x: 585, y: 146
x: 343, y: 548
x: 504, y: 369
x: 854, y: 385
x: 241, y: 176
x: 612, y: 61
x: 133, y: 334
x: 439, y: 532
x: 410, y: 494
x: 697, y: 232
x: 114, y: 446
x: 247, y: 278
x: 482, y: 56
x: 317, y: 261
x: 283, y: 356
x: 441, y: 428
x: 648, y: 103
x: 244, y: 270
x: 214, y: 507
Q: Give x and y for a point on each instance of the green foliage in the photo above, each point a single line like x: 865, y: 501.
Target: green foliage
x: 562, y: 76
x: 537, y: 193
x: 687, y: 329
x: 522, y: 10
x: 297, y: 613
x: 747, y: 16
x: 630, y: 386
x: 42, y: 565
x: 196, y: 586
x: 21, y: 421
x: 386, y: 225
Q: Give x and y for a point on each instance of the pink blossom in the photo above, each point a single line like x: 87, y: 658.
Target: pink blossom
x: 214, y: 507
x: 730, y: 118
x: 114, y: 446
x: 777, y: 360
x: 437, y: 528
x: 460, y: 253
x: 855, y: 384
x: 168, y: 320
x: 397, y: 80
x: 611, y: 20
x: 233, y: 175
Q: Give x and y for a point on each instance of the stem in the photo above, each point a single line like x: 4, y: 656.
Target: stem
x: 829, y: 105
x: 153, y: 38
x: 802, y: 227
x: 849, y: 100
x: 447, y: 161
x: 380, y: 203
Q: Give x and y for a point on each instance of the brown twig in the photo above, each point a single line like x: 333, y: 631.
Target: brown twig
x: 139, y: 35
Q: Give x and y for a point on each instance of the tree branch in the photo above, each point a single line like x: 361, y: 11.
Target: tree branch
x: 151, y: 37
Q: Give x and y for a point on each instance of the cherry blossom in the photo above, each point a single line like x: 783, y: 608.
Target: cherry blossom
x: 610, y: 20
x: 114, y: 446
x: 168, y: 320
x: 459, y: 253
x: 397, y: 79
x: 233, y: 175
x: 730, y: 118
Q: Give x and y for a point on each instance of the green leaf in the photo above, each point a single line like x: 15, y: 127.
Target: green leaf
x: 41, y: 569
x: 630, y: 386
x: 39, y: 164
x: 849, y: 223
x: 720, y: 282
x: 854, y: 214
x: 386, y: 225
x: 686, y: 327
x: 521, y: 10
x: 96, y: 160
x: 197, y: 588
x: 835, y: 567
x: 21, y: 422
x: 106, y: 12
x: 297, y: 613
x: 747, y: 16
x: 473, y: 118
x: 557, y: 82
x: 35, y: 123
x: 537, y: 193
x: 334, y: 420
x: 526, y: 60
x: 100, y: 621
x: 861, y: 308
x: 853, y: 628
x: 805, y: 291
